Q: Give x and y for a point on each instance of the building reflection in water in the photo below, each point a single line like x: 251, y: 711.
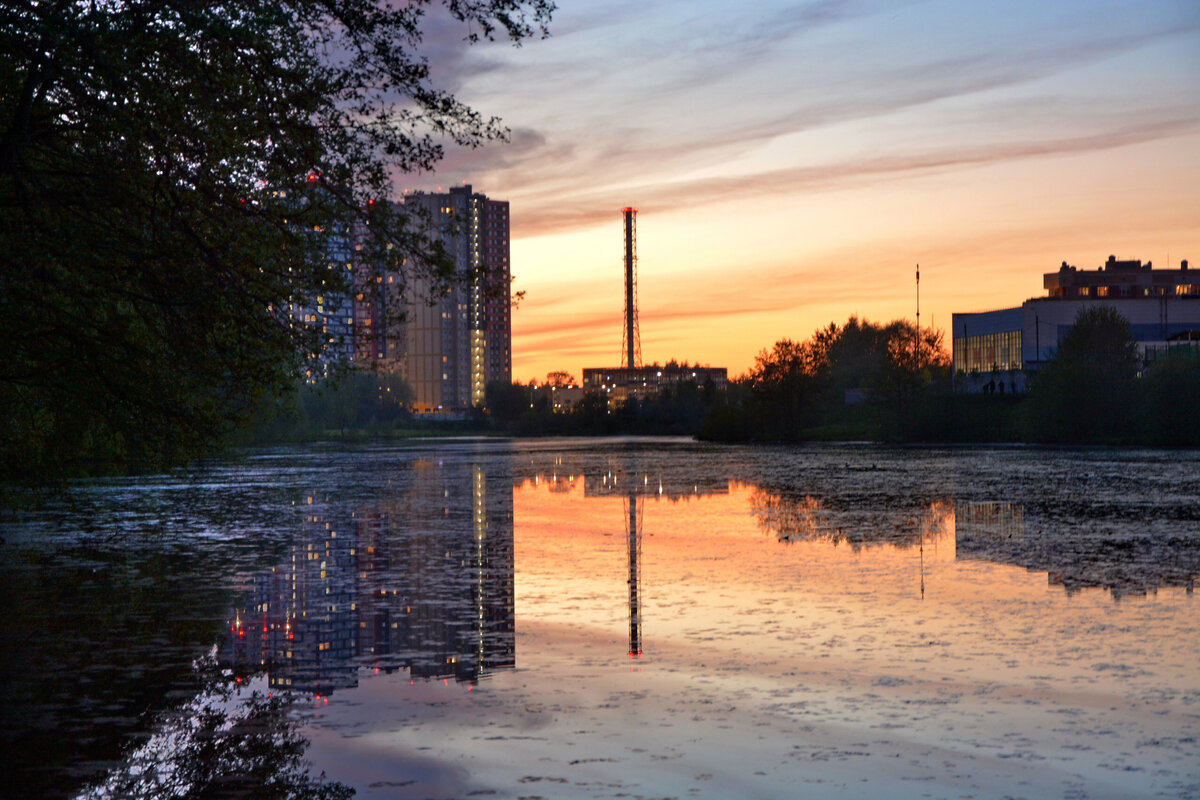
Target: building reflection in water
x: 1125, y: 559
x: 412, y: 583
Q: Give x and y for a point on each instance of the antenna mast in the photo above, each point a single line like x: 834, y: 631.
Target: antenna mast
x: 918, y: 348
x: 632, y: 341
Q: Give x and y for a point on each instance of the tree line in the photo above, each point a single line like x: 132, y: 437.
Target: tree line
x: 1096, y: 390
x: 529, y: 410
x: 856, y: 381
x: 842, y: 382
x: 893, y: 383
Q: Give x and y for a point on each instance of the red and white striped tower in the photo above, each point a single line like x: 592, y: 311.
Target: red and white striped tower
x: 632, y: 344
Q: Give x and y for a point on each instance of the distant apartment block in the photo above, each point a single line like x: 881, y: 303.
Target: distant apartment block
x: 999, y: 349
x: 448, y: 344
x: 620, y: 383
x: 462, y: 341
x: 361, y: 328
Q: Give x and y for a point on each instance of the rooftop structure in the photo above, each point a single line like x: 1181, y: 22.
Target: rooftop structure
x: 1117, y: 279
x: 997, y: 350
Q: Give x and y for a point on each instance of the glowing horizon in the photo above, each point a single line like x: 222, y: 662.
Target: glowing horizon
x: 792, y: 164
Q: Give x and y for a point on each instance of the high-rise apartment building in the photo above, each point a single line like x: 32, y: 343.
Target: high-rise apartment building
x: 462, y: 340
x: 377, y: 296
x: 447, y: 342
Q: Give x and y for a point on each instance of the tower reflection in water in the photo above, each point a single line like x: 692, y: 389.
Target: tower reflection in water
x: 638, y: 480
x: 633, y: 536
x: 422, y: 582
x: 636, y: 486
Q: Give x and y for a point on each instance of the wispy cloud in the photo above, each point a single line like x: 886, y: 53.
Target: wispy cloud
x: 685, y: 104
x: 597, y: 207
x: 682, y: 109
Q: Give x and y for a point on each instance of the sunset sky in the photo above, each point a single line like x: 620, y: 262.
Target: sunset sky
x: 792, y: 162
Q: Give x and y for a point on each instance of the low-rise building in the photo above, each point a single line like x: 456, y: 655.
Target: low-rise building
x: 560, y: 398
x: 620, y: 383
x: 997, y: 351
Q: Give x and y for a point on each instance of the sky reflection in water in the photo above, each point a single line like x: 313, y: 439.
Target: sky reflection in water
x: 687, y: 621
x: 583, y: 619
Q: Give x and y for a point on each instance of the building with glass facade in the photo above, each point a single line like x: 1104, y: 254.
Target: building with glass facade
x: 458, y: 341
x: 448, y: 339
x: 996, y: 351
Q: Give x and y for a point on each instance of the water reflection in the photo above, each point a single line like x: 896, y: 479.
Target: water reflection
x: 793, y: 518
x: 226, y: 742
x: 630, y: 477
x: 633, y: 537
x: 1126, y: 560
x: 776, y: 587
x: 422, y: 581
x: 621, y: 474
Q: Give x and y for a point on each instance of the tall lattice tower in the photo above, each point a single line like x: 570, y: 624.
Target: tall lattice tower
x: 631, y: 343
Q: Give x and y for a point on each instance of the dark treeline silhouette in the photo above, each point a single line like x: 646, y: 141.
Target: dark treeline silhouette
x: 856, y: 381
x: 859, y: 380
x: 178, y: 182
x: 883, y: 383
x: 354, y: 404
x: 796, y: 391
x: 1095, y: 389
x: 676, y: 410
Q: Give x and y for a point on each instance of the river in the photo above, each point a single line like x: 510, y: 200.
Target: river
x: 611, y: 618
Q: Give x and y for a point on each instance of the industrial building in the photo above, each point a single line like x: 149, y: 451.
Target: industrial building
x: 998, y: 350
x: 632, y: 378
x: 653, y: 378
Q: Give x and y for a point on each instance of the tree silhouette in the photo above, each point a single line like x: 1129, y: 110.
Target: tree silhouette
x: 1087, y: 391
x: 176, y: 181
x: 222, y: 746
x: 1171, y: 395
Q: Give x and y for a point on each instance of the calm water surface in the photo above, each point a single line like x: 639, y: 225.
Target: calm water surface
x: 622, y: 618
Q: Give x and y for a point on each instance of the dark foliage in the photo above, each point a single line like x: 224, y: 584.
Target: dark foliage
x: 800, y: 390
x: 354, y: 402
x: 870, y: 382
x: 678, y: 410
x: 171, y: 175
x: 947, y: 417
x: 1171, y: 400
x: 1087, y: 391
x: 506, y: 401
x: 223, y: 747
